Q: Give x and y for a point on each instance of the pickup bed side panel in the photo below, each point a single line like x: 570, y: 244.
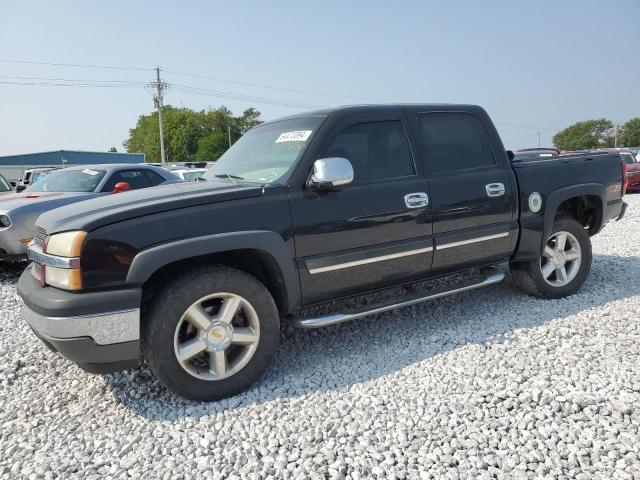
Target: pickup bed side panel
x: 557, y: 180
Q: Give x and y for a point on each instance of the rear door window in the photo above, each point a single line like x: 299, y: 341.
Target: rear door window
x: 153, y: 178
x: 453, y: 141
x: 134, y: 177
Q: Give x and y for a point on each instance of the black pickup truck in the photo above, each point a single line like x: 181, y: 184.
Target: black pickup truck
x: 195, y: 278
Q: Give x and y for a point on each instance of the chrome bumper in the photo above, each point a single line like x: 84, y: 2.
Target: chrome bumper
x: 105, y: 329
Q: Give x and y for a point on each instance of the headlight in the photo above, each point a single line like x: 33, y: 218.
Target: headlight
x: 63, y: 272
x: 5, y: 221
x: 65, y: 278
x: 66, y: 244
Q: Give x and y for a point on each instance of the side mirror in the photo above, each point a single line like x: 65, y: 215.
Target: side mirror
x: 20, y: 188
x: 121, y: 187
x: 511, y: 155
x: 329, y: 173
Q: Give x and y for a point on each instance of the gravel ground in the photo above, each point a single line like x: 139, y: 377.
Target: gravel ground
x: 488, y: 384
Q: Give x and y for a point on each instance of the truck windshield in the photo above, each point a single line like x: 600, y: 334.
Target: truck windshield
x: 69, y: 181
x: 265, y: 154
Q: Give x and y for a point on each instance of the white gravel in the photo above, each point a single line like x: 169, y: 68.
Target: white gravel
x: 489, y: 384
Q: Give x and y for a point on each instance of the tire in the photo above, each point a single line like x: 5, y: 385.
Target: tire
x: 530, y: 277
x: 248, y: 341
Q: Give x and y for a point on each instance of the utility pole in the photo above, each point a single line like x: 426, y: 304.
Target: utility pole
x: 615, y: 136
x: 538, y: 139
x: 157, y: 100
x: 229, y: 132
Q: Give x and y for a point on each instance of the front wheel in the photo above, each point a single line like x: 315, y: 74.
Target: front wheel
x: 563, y: 266
x: 211, y: 333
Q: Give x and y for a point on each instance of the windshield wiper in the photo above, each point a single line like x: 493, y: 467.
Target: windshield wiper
x: 229, y: 176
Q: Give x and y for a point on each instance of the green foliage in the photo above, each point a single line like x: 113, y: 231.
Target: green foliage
x: 587, y: 134
x: 189, y: 135
x: 629, y: 134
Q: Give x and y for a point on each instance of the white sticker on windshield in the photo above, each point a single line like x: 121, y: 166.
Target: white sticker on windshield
x: 295, y: 136
x: 89, y: 171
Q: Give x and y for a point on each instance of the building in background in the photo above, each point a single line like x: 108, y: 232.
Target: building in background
x: 12, y: 166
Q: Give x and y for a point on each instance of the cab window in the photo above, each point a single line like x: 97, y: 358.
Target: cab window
x: 135, y: 178
x: 454, y: 141
x: 377, y: 151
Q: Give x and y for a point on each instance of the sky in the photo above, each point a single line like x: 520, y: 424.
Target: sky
x: 534, y: 66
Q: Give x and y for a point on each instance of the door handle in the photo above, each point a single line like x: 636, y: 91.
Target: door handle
x: 495, y: 189
x: 416, y: 200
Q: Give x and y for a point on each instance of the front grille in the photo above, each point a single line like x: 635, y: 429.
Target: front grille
x: 40, y: 237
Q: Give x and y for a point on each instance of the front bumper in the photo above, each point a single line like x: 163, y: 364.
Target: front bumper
x: 100, y: 331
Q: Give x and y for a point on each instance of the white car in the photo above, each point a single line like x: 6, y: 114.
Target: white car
x: 189, y: 174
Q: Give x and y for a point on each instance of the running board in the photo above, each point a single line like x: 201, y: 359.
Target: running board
x: 491, y: 278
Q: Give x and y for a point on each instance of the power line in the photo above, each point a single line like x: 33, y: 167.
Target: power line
x: 57, y: 84
x: 73, y: 65
x: 236, y: 96
x: 79, y: 80
x: 521, y: 138
x: 528, y: 127
x: 260, y: 85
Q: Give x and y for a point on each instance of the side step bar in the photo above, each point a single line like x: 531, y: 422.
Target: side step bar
x: 491, y: 278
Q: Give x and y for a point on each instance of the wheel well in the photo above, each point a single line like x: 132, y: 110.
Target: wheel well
x: 257, y: 263
x: 586, y: 209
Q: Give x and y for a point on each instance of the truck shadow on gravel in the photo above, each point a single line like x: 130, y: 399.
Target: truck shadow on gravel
x: 342, y: 356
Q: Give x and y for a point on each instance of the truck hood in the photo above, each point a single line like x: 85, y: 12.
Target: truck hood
x: 39, y: 201
x: 110, y: 209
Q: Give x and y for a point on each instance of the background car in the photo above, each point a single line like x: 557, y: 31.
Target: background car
x: 31, y: 176
x: 536, y: 153
x: 19, y: 211
x: 189, y: 175
x: 5, y: 186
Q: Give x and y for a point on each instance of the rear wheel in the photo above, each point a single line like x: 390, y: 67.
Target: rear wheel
x: 563, y: 266
x: 211, y: 333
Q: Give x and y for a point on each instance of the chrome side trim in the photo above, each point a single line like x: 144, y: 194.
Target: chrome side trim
x: 381, y: 258
x: 36, y: 254
x: 104, y: 329
x: 332, y: 319
x: 471, y: 240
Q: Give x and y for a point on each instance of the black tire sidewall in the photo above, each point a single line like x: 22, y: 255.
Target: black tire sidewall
x: 168, y: 307
x: 577, y: 230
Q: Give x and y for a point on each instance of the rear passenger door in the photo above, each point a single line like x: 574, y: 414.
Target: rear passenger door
x: 473, y: 191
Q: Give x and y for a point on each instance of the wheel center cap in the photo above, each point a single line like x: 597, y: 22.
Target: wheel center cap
x: 219, y: 337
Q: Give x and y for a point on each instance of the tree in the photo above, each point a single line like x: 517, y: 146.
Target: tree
x: 189, y: 135
x: 587, y: 134
x: 629, y: 133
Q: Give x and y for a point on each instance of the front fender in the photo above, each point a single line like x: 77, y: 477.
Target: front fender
x: 152, y: 259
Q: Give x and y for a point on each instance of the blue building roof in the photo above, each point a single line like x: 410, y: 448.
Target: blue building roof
x: 72, y: 158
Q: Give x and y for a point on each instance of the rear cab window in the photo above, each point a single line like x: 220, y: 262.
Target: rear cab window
x: 453, y: 141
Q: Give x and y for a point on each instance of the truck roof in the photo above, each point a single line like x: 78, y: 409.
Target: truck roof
x: 366, y: 108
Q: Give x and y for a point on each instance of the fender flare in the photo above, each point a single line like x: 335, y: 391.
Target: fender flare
x: 149, y: 261
x: 558, y: 196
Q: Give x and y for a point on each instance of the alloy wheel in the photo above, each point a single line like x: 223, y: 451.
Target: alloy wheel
x: 217, y: 336
x: 561, y: 258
